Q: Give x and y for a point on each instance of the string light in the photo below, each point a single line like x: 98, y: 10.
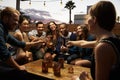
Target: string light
x: 44, y: 3
x: 61, y: 2
x: 30, y: 2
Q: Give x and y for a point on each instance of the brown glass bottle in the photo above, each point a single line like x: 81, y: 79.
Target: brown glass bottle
x: 44, y: 66
x: 56, y: 69
x: 61, y: 62
x: 50, y: 62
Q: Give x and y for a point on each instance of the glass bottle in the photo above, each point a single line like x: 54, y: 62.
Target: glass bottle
x: 56, y: 69
x: 44, y: 66
x: 61, y: 62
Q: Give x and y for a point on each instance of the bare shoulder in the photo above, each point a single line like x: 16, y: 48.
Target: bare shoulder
x: 105, y: 52
x: 18, y: 35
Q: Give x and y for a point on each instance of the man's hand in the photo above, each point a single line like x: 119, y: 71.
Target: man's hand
x: 35, y: 43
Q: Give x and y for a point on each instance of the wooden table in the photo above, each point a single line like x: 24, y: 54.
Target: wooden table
x: 36, y: 69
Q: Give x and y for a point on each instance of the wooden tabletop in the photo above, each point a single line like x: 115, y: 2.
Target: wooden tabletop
x: 36, y: 69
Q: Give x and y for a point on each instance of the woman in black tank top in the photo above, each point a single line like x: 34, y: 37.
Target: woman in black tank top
x: 101, y: 21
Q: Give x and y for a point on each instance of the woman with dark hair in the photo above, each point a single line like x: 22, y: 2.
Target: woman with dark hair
x: 83, y: 55
x: 105, y: 60
x: 82, y: 32
x: 22, y: 56
x: 53, y: 30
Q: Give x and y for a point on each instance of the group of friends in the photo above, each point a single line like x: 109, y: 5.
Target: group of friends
x: 90, y: 45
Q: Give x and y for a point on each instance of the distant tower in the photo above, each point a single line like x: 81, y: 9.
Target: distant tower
x: 79, y: 18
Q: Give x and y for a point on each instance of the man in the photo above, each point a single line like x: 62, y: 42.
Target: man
x: 9, y: 68
x: 65, y: 36
x: 38, y: 33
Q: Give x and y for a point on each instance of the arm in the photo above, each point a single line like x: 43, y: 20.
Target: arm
x: 32, y: 38
x: 10, y: 61
x: 25, y: 45
x: 30, y: 44
x: 18, y: 36
x: 31, y: 35
x: 82, y: 43
x: 5, y: 55
x: 13, y: 41
x: 105, y: 57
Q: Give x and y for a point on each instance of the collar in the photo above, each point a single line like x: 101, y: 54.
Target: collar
x: 4, y: 27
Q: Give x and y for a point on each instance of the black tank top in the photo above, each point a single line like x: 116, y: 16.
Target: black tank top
x: 115, y: 70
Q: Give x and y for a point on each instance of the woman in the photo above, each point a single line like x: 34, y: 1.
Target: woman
x: 101, y: 21
x: 22, y: 56
x: 52, y: 28
x: 84, y: 55
x: 50, y: 50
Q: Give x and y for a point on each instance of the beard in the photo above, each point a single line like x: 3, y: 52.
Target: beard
x: 12, y: 27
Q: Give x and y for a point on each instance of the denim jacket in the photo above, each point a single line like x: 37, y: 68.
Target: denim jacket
x: 5, y: 37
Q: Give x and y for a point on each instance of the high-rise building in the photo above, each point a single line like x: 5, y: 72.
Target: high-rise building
x: 81, y: 18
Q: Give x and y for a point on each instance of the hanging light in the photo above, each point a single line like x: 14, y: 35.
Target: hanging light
x: 61, y: 2
x: 44, y: 3
x: 30, y: 2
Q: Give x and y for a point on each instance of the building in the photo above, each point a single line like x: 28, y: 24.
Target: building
x: 79, y: 18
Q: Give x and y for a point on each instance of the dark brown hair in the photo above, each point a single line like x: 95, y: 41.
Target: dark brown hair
x: 84, y: 31
x: 40, y: 22
x: 105, y: 14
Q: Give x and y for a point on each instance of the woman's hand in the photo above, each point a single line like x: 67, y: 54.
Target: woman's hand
x: 75, y: 77
x: 84, y: 76
x: 69, y: 43
x: 35, y: 43
x: 63, y: 48
x: 22, y: 68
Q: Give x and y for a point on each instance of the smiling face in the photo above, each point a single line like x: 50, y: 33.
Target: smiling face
x: 62, y: 28
x: 52, y: 26
x: 12, y: 22
x: 40, y: 28
x: 79, y: 30
x: 10, y: 17
x: 24, y: 25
